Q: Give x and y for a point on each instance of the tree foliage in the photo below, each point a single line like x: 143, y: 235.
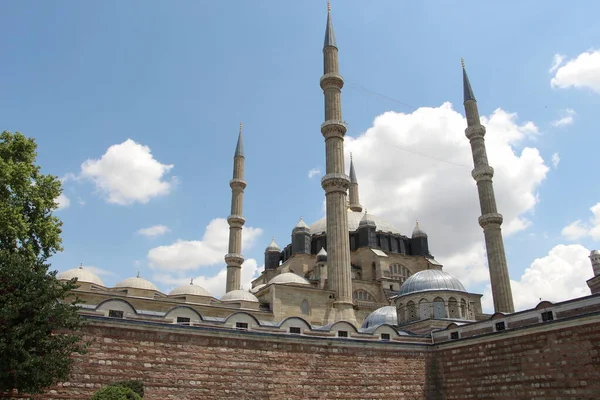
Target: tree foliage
x: 136, y: 386
x: 37, y: 325
x: 115, y: 393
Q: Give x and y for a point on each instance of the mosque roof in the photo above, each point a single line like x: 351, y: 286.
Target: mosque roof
x: 289, y: 277
x: 189, y: 289
x: 82, y: 274
x: 383, y: 315
x: 430, y: 279
x: 354, y: 218
x: 136, y: 282
x: 239, y: 295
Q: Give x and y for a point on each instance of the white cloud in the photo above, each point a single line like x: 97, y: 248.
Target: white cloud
x: 559, y: 276
x: 62, y: 201
x: 128, y: 173
x: 557, y: 61
x: 314, y: 172
x: 555, y: 160
x: 153, y: 231
x: 580, y: 72
x: 566, y: 119
x: 184, y: 255
x: 215, y: 284
x: 99, y: 271
x: 443, y: 195
x: 579, y: 229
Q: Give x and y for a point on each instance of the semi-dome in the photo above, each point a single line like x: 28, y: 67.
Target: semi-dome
x: 82, y: 275
x: 354, y: 218
x: 383, y: 315
x: 239, y: 295
x: 136, y: 282
x: 430, y: 279
x: 289, y: 277
x: 189, y: 290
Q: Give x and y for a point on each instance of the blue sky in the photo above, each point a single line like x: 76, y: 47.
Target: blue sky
x: 178, y: 77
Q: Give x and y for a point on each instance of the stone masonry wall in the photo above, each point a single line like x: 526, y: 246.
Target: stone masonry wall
x: 541, y: 362
x: 180, y: 363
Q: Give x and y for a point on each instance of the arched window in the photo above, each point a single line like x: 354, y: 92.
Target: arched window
x: 374, y: 271
x: 463, y: 309
x: 304, y: 307
x: 411, y: 309
x: 424, y: 311
x: 439, y: 308
x: 399, y: 272
x: 362, y: 295
x: 453, y: 308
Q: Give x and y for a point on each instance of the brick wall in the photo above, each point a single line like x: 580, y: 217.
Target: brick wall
x: 180, y: 363
x: 558, y: 360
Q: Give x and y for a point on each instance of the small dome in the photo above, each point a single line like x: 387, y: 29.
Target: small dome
x: 430, y: 279
x: 258, y: 287
x: 301, y: 226
x: 289, y: 277
x: 383, y: 315
x: 322, y: 255
x: 82, y: 275
x: 273, y: 247
x: 367, y: 220
x: 190, y: 290
x: 239, y: 295
x: 418, y: 232
x: 136, y: 283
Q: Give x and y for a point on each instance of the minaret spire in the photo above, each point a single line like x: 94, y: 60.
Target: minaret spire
x: 491, y: 219
x: 234, y: 257
x: 354, y: 200
x: 336, y: 182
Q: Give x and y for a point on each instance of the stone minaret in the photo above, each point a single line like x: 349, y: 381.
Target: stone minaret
x: 594, y: 283
x: 354, y: 201
x: 234, y: 257
x: 336, y: 182
x: 490, y: 219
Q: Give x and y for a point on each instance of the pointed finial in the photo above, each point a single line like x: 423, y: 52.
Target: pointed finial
x: 138, y: 274
x: 467, y: 90
x: 328, y: 6
x: 192, y: 281
x: 462, y: 62
x: 239, y: 148
x: 350, y: 156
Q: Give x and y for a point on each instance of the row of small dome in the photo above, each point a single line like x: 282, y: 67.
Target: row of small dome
x: 356, y: 220
x: 136, y: 282
x: 427, y: 280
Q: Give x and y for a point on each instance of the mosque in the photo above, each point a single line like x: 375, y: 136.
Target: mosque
x: 349, y: 268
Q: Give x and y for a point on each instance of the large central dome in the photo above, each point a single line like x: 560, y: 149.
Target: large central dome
x: 354, y: 218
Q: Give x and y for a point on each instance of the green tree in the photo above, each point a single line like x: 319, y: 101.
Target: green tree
x: 38, y: 326
x: 115, y: 393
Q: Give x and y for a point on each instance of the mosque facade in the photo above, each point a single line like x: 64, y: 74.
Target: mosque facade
x: 350, y: 276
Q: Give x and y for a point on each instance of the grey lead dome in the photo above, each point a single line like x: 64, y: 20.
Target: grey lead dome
x: 354, y: 218
x: 430, y: 279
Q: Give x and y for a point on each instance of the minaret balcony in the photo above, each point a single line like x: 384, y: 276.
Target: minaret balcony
x: 237, y: 184
x: 331, y: 79
x: 236, y: 221
x: 491, y: 218
x: 334, y: 127
x: 475, y: 132
x: 335, y: 182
